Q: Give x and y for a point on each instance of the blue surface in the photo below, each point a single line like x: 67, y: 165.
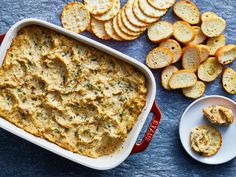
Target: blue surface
x: 165, y: 155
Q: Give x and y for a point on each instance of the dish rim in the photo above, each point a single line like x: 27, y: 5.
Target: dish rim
x: 39, y: 141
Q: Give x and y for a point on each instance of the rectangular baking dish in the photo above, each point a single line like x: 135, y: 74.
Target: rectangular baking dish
x: 129, y: 146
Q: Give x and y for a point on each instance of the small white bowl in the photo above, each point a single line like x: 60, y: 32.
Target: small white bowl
x: 193, y: 117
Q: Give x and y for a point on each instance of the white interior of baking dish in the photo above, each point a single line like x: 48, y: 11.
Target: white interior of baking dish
x: 104, y: 162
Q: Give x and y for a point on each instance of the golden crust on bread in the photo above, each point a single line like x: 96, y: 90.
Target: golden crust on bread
x: 205, y: 140
x: 75, y: 17
x: 219, y: 115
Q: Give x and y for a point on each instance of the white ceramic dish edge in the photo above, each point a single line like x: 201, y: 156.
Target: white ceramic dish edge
x: 104, y: 162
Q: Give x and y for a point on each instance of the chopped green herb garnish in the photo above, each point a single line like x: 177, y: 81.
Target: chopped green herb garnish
x: 93, y: 59
x: 86, y: 131
x: 58, y: 131
x: 30, y: 63
x: 84, y: 117
x: 41, y: 86
x: 99, y: 89
x: 95, y: 71
x: 89, y: 85
x: 39, y: 114
x: 122, y: 98
x: 53, y: 98
x: 24, y: 100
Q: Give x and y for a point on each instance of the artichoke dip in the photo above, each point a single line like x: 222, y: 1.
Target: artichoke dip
x: 68, y: 93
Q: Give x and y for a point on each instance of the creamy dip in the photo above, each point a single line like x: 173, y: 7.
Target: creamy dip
x: 71, y: 94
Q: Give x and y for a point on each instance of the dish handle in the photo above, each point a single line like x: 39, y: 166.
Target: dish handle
x: 139, y: 147
x: 2, y: 37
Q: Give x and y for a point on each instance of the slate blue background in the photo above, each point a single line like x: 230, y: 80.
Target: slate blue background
x: 165, y: 155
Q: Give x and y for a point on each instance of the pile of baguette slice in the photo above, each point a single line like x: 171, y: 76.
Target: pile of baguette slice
x: 197, y: 40
x: 107, y: 20
x: 132, y: 19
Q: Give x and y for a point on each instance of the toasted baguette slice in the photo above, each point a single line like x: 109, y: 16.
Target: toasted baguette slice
x: 141, y: 15
x: 149, y: 10
x: 207, y: 15
x: 129, y: 25
x: 199, y: 36
x: 166, y: 75
x: 215, y: 43
x: 111, y: 13
x: 111, y: 32
x: 213, y: 27
x: 119, y: 32
x: 209, y: 70
x: 124, y: 28
x: 98, y: 28
x: 226, y: 54
x: 182, y: 79
x: 200, y: 140
x: 216, y: 141
x: 205, y: 140
x: 219, y: 115
x: 161, y: 4
x: 89, y: 27
x: 131, y: 16
x: 75, y: 17
x: 183, y: 32
x: 159, y: 57
x: 160, y: 31
x: 205, y: 52
x: 191, y: 58
x: 195, y: 91
x: 187, y: 11
x: 174, y: 46
x: 98, y: 7
x: 229, y: 80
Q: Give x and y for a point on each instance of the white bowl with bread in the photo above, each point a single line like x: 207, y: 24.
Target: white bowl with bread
x: 207, y: 129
